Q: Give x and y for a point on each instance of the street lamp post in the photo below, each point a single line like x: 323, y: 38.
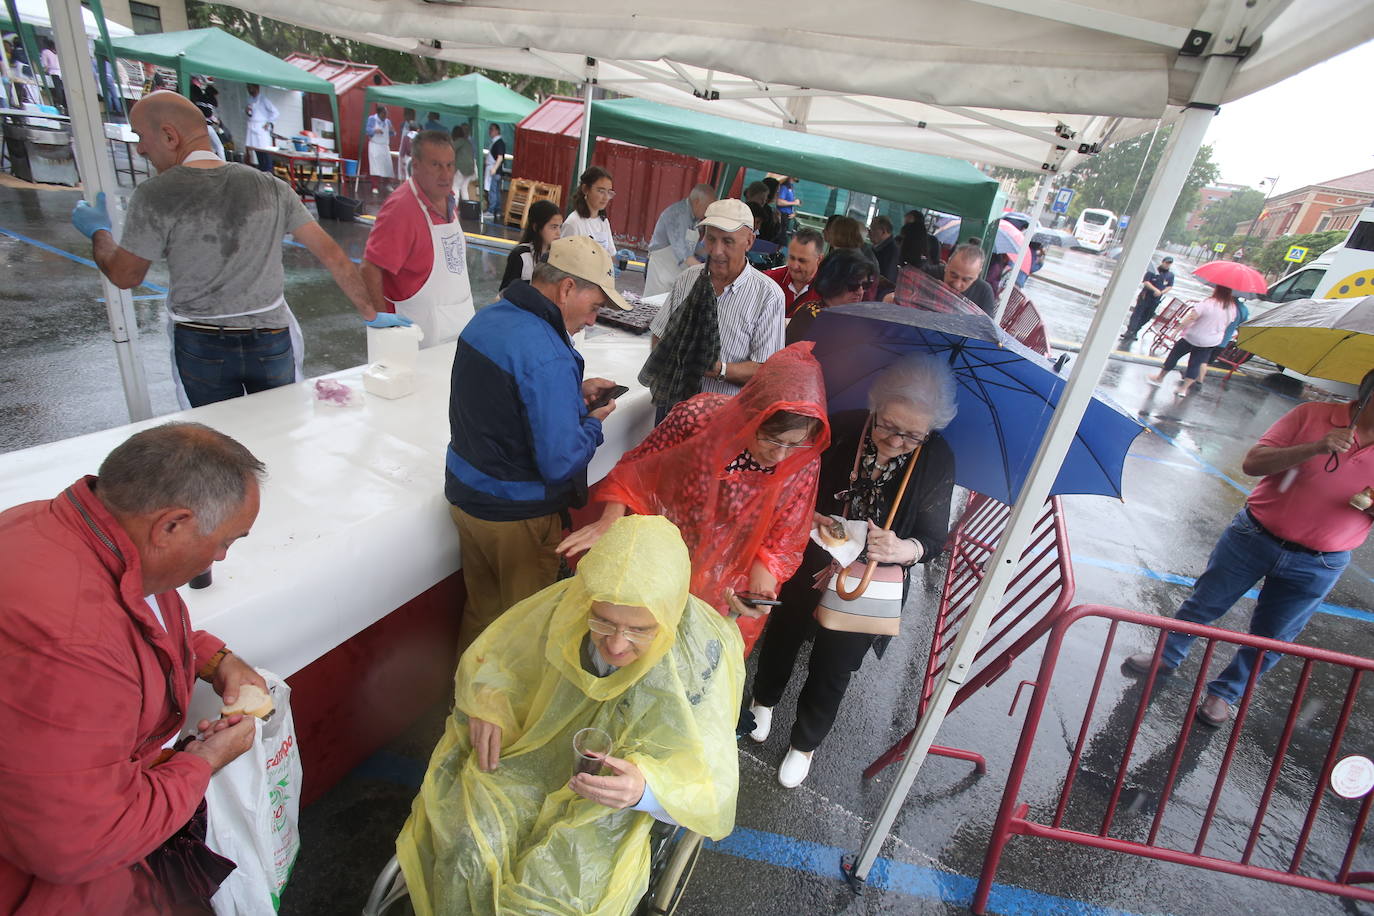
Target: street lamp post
x: 1245, y: 246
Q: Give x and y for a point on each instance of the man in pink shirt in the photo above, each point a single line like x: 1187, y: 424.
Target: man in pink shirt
x: 415, y: 262
x: 1296, y: 533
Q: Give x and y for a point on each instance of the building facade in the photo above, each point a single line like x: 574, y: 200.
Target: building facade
x: 1209, y: 196
x: 1303, y: 210
x: 145, y: 16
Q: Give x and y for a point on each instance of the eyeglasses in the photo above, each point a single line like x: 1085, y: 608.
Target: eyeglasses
x: 785, y: 446
x: 636, y: 637
x: 855, y: 287
x: 886, y: 431
x: 606, y: 191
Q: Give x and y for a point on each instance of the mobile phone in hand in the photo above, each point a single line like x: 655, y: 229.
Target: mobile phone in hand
x: 609, y: 396
x: 756, y: 600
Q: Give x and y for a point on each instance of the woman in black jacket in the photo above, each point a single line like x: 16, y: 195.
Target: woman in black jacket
x: 860, y: 474
x: 543, y: 222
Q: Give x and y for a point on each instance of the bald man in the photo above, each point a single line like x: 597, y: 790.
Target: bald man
x: 219, y: 226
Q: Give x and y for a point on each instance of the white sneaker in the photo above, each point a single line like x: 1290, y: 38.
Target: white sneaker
x: 794, y: 768
x: 763, y: 722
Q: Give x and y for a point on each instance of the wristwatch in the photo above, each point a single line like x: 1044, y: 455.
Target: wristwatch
x: 722, y: 371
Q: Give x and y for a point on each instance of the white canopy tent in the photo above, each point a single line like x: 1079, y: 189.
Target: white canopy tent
x: 959, y: 77
x: 35, y: 13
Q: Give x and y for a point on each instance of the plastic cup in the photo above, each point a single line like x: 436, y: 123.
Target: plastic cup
x: 590, y: 747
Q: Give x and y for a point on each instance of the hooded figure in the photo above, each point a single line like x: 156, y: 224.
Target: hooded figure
x: 741, y: 493
x: 517, y: 839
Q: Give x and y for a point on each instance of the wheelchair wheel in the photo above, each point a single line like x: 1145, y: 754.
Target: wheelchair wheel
x: 672, y: 865
x: 388, y: 890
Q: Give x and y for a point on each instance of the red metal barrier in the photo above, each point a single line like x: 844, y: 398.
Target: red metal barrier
x: 1041, y: 590
x: 1165, y: 325
x: 1022, y: 320
x: 1319, y: 733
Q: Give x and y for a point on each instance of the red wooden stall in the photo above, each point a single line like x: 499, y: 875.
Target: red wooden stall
x: 646, y: 180
x: 350, y: 81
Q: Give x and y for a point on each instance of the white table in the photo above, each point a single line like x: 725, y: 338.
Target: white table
x: 353, y: 522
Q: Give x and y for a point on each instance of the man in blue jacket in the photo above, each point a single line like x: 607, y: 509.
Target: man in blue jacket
x: 522, y: 428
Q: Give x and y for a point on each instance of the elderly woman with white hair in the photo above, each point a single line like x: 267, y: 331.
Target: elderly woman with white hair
x: 860, y: 476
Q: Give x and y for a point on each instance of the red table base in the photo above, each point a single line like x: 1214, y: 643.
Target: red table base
x: 366, y: 692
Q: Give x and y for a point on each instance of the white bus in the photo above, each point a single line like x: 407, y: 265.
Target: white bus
x: 1095, y: 229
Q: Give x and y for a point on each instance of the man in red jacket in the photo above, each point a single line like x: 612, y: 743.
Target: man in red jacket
x: 98, y: 658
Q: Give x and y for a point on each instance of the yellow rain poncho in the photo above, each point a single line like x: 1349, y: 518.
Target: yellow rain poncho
x: 518, y: 840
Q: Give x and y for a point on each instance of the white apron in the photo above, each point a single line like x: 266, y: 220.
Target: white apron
x: 663, y: 267
x: 293, y: 327
x: 442, y: 306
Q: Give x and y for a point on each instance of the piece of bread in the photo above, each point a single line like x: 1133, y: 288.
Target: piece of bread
x: 252, y: 701
x: 832, y: 534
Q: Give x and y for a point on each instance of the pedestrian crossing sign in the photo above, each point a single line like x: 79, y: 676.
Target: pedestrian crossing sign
x: 1296, y: 254
x: 1219, y: 247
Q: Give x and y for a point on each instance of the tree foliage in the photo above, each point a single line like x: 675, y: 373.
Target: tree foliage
x: 1219, y: 221
x: 1270, y: 260
x: 280, y: 39
x: 1115, y: 180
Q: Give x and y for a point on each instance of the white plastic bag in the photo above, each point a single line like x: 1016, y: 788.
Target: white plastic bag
x: 253, y: 808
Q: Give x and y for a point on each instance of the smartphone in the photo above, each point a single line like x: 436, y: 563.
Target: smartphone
x: 756, y: 600
x: 608, y: 397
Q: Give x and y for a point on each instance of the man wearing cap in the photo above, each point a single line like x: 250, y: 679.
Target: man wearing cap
x: 722, y: 318
x: 523, y: 429
x: 1155, y: 285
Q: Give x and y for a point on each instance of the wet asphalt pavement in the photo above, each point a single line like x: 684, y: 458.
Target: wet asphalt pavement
x: 1183, y: 483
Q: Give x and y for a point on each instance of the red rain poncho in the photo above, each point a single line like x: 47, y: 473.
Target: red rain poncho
x: 729, y: 520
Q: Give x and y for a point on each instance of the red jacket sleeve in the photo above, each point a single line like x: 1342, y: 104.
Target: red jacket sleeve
x: 628, y: 482
x: 76, y: 802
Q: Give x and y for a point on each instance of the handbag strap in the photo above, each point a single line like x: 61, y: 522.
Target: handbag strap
x: 887, y: 526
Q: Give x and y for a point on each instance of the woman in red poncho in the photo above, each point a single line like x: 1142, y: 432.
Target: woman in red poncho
x: 737, y: 475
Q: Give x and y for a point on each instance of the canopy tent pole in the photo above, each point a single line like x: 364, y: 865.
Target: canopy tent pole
x: 1144, y: 234
x: 584, y: 144
x: 1042, y: 191
x: 97, y: 174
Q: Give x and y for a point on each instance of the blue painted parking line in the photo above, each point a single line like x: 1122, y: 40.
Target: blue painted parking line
x: 1175, y: 464
x: 900, y: 877
x: 44, y: 246
x: 1336, y: 610
x: 814, y: 858
x: 1197, y: 459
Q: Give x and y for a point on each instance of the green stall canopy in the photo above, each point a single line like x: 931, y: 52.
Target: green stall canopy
x: 948, y: 185
x: 463, y: 97
x: 211, y: 52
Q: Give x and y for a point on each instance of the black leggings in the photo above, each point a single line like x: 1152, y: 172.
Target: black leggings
x: 1198, y: 357
x: 835, y: 656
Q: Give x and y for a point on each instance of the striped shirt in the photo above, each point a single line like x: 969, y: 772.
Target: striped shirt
x: 749, y: 310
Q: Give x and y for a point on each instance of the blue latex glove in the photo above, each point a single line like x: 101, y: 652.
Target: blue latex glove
x: 90, y: 219
x: 389, y: 320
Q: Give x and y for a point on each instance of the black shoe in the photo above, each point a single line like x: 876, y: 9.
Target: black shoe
x: 1140, y: 664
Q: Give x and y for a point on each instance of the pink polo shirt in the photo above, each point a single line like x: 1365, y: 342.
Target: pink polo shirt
x: 401, y: 244
x: 1315, y: 509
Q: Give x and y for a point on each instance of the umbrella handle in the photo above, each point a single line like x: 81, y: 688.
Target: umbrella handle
x: 891, y: 516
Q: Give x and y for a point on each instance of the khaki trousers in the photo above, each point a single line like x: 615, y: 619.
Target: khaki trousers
x: 503, y: 564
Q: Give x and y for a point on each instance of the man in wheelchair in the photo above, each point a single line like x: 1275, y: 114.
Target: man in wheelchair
x: 502, y: 824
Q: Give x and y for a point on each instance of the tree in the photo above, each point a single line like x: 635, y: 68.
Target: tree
x: 1114, y: 180
x: 281, y: 39
x: 1221, y: 218
x: 1270, y: 261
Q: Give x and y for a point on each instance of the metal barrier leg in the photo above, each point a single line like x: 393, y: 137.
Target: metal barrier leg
x: 389, y: 887
x: 898, y: 751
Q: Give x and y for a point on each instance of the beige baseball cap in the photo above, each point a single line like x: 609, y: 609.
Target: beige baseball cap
x: 587, y: 260
x: 728, y: 215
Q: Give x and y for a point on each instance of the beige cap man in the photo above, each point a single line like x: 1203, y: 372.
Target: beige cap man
x: 580, y: 256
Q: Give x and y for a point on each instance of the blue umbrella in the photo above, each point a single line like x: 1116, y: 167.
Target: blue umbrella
x: 1006, y: 395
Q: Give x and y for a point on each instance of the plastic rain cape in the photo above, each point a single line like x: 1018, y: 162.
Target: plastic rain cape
x: 517, y: 840
x: 729, y: 520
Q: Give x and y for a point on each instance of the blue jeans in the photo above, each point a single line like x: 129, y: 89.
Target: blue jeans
x: 218, y: 366
x: 1294, y: 584
x: 494, y: 195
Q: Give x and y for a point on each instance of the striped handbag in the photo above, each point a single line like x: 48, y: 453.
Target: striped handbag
x: 867, y: 598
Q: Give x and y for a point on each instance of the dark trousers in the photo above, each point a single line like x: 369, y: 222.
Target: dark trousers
x: 1145, y: 308
x: 1198, y: 358
x: 835, y: 656
x: 215, y: 366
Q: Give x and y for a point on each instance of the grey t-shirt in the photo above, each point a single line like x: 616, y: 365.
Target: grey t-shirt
x: 220, y: 230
